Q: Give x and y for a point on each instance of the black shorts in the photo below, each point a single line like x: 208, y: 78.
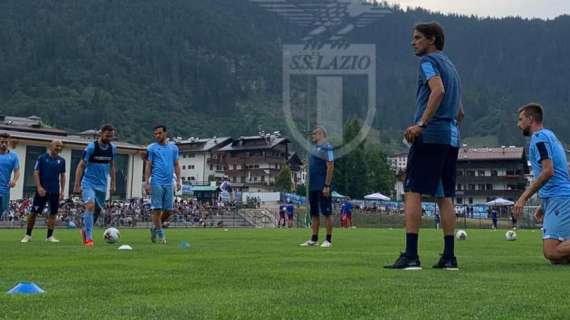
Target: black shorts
x: 40, y: 203
x: 432, y: 169
x: 320, y: 204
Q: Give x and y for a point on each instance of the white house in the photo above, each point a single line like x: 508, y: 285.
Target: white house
x: 30, y: 139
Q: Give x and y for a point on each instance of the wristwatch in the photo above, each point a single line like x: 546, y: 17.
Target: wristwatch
x: 421, y: 124
x: 327, y: 185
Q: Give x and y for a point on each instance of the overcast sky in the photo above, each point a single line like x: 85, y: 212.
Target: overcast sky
x: 496, y: 8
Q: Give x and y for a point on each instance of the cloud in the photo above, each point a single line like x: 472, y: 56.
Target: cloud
x: 545, y: 9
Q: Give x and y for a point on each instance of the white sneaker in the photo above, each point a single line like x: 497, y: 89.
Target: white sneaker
x: 26, y: 239
x: 52, y: 239
x: 326, y: 244
x: 309, y: 243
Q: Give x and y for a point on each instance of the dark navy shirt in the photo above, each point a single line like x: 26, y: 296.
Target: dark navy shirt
x: 320, y: 155
x: 442, y: 127
x: 50, y: 169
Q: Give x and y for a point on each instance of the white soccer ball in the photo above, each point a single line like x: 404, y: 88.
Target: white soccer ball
x: 461, y: 235
x: 511, y: 235
x: 111, y: 235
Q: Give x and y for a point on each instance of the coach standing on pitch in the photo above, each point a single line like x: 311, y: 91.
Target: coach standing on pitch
x: 321, y: 168
x: 49, y: 176
x: 435, y: 145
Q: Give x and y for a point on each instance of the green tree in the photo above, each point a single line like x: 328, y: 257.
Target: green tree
x: 380, y: 177
x: 301, y: 190
x: 350, y: 176
x: 283, y: 181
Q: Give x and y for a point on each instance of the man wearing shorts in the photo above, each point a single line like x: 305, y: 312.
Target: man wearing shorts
x: 552, y: 182
x: 321, y: 168
x: 9, y: 164
x: 161, y: 165
x: 49, y: 176
x: 434, y: 140
x: 91, y: 177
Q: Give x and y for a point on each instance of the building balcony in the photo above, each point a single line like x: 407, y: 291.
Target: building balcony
x: 255, y: 159
x: 490, y: 179
x: 513, y: 194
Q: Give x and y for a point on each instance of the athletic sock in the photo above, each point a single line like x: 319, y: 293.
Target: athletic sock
x: 449, y: 246
x: 412, y: 245
x: 50, y: 233
x: 29, y: 232
x: 329, y: 237
x: 159, y: 233
x: 88, y: 223
x: 96, y: 215
x: 315, y: 238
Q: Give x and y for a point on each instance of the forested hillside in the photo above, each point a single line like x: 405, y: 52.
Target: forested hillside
x: 213, y: 67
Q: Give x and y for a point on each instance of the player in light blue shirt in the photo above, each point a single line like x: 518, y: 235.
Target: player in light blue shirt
x: 434, y: 139
x: 161, y: 165
x: 8, y: 164
x: 91, y: 178
x: 552, y: 182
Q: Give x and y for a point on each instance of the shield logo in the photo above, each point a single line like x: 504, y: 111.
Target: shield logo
x: 318, y: 70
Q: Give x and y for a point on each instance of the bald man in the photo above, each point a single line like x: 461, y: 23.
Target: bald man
x: 49, y: 176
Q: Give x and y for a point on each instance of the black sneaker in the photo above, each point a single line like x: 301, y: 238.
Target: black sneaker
x: 446, y: 263
x: 405, y: 263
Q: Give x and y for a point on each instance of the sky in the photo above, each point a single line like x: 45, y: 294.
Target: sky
x: 544, y: 9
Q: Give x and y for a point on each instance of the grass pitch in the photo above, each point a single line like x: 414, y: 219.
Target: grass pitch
x: 264, y: 274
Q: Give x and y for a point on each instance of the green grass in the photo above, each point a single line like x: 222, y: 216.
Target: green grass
x: 263, y: 274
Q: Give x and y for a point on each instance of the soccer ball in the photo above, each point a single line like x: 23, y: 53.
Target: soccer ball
x: 511, y: 235
x: 111, y: 235
x: 461, y: 235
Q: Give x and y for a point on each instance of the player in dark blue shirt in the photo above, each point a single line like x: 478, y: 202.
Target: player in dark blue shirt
x: 49, y: 176
x: 552, y: 182
x: 434, y: 140
x: 321, y: 168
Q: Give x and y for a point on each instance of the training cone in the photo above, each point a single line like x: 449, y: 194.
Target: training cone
x: 125, y: 247
x: 184, y: 245
x: 26, y: 288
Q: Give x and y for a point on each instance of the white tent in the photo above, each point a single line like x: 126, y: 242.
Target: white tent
x: 377, y: 196
x: 500, y: 202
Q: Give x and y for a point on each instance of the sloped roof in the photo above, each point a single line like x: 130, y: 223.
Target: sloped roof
x: 69, y: 139
x: 506, y: 153
x: 255, y: 143
x: 203, y: 145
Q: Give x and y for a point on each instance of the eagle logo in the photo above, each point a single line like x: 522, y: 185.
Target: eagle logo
x: 326, y: 21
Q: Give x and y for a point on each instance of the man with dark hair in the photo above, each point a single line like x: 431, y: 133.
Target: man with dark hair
x: 552, y: 182
x: 161, y: 165
x: 49, y: 177
x: 8, y: 164
x: 321, y: 168
x: 434, y: 140
x: 91, y: 176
